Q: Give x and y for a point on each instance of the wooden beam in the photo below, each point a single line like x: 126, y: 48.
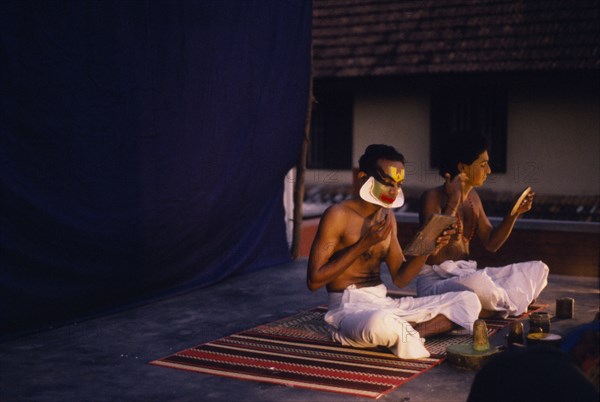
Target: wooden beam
x: 299, y: 182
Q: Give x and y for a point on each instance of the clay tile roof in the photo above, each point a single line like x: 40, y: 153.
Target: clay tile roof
x: 354, y: 38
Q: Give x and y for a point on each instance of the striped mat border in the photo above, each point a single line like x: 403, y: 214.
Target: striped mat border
x: 297, y: 351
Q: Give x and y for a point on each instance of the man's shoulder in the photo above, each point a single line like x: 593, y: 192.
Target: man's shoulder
x: 338, y: 216
x: 432, y: 193
x: 475, y: 196
x: 341, y: 208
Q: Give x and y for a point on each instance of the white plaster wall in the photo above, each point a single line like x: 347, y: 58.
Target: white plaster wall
x: 553, y: 140
x: 327, y: 177
x: 400, y: 120
x: 553, y: 143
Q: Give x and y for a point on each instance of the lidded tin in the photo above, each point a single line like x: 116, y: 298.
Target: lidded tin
x: 539, y: 322
x: 516, y: 334
x: 565, y: 307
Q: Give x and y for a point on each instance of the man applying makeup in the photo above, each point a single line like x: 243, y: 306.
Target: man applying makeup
x: 354, y: 238
x: 504, y: 291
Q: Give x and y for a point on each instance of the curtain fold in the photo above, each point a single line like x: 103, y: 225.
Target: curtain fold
x: 143, y: 147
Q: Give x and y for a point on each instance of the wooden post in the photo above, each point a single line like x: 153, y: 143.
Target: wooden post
x: 299, y: 183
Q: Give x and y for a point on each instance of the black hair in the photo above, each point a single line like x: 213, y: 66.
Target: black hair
x: 368, y: 161
x: 460, y: 147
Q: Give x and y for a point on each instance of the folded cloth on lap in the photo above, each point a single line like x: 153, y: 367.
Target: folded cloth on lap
x: 508, y: 290
x: 366, y: 317
x: 448, y: 269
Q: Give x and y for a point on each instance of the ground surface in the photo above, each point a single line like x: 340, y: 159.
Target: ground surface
x: 105, y: 359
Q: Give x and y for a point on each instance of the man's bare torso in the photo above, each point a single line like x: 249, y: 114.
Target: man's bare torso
x: 365, y: 271
x: 458, y: 248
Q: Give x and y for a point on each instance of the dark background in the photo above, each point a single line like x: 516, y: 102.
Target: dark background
x: 143, y: 148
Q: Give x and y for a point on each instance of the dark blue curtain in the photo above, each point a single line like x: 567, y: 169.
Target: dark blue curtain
x: 143, y: 147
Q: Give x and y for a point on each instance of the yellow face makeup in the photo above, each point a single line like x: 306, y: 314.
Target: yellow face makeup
x: 391, y: 176
x: 386, y: 188
x: 383, y: 184
x: 397, y: 176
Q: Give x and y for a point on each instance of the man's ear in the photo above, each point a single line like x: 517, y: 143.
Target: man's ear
x: 361, y: 175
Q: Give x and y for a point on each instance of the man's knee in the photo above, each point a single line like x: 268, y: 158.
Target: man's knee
x: 384, y: 328
x: 543, y: 267
x: 468, y: 298
x: 536, y: 271
x: 469, y: 301
x: 537, y: 266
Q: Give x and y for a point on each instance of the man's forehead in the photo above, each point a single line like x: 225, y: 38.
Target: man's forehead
x: 483, y: 157
x: 392, y: 169
x: 385, y: 163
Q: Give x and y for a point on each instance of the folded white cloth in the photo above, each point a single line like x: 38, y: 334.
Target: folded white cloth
x: 508, y: 290
x: 366, y: 317
x: 450, y: 268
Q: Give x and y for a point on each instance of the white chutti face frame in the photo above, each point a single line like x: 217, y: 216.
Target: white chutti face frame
x: 366, y: 193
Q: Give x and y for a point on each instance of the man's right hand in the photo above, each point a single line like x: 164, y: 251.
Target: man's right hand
x: 378, y: 232
x: 444, y: 238
x: 454, y: 188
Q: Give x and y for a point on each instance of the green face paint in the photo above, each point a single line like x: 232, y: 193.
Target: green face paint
x: 383, y: 188
x: 379, y: 194
x: 391, y: 177
x: 382, y: 192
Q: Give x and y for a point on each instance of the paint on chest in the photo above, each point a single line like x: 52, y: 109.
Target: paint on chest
x: 377, y: 252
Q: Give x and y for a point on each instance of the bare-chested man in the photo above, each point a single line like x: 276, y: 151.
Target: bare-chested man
x: 507, y: 290
x: 353, y: 239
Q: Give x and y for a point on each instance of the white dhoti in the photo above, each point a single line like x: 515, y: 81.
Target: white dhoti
x: 508, y: 290
x: 366, y: 317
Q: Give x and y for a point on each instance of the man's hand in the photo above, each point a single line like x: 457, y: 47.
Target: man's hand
x: 454, y: 188
x: 526, y: 204
x: 443, y: 240
x: 378, y: 232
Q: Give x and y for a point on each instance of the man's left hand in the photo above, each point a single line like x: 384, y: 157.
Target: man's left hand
x: 526, y: 204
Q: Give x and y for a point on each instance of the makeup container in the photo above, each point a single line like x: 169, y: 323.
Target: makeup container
x: 516, y: 334
x: 565, y: 307
x: 539, y: 322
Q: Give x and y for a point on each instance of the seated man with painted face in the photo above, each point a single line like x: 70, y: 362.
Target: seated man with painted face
x: 354, y: 238
x: 504, y: 291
